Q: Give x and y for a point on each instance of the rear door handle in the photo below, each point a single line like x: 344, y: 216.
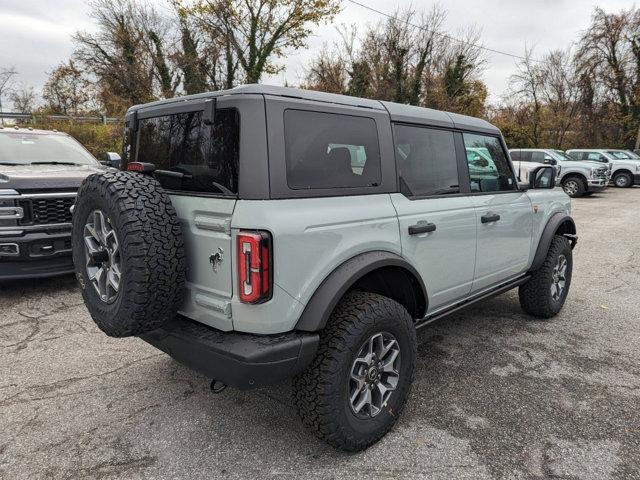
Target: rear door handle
x: 422, y: 227
x: 490, y: 217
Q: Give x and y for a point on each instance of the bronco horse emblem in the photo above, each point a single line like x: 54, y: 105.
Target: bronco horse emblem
x: 216, y: 259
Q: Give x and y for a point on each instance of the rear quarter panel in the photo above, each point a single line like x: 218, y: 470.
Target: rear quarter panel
x: 311, y: 237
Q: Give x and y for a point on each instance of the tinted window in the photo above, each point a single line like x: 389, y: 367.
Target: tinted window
x: 426, y: 161
x: 489, y: 169
x: 515, y: 155
x: 540, y: 157
x: 326, y: 150
x: 207, y: 155
x: 594, y: 156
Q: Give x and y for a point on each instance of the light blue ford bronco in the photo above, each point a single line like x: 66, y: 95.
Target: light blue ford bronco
x: 265, y: 233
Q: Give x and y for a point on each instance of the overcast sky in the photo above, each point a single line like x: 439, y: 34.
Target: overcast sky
x: 36, y: 34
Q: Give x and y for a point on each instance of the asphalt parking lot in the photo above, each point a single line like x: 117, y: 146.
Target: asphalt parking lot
x: 497, y: 395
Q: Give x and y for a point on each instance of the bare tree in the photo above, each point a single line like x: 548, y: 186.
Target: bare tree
x: 561, y: 93
x: 23, y: 99
x: 6, y: 83
x: 527, y: 88
x: 118, y: 54
x: 408, y: 58
x: 69, y: 92
x: 609, y: 54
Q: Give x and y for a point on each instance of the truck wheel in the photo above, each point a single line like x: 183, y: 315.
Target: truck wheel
x: 574, y: 187
x: 622, y: 180
x: 128, y: 252
x: 355, y: 389
x: 544, y: 294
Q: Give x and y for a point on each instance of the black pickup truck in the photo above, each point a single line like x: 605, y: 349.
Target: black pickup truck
x: 40, y: 172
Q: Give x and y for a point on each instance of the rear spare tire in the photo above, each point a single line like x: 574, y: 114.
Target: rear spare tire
x: 128, y: 252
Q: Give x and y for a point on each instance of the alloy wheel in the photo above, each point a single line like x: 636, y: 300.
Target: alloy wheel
x: 559, y: 278
x: 375, y: 374
x: 102, y: 256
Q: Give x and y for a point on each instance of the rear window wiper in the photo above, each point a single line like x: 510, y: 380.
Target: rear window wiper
x: 169, y: 176
x: 54, y: 162
x: 222, y: 188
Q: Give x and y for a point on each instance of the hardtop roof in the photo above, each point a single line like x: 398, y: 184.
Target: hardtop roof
x: 398, y: 112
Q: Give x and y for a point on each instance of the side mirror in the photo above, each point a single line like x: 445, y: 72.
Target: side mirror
x: 542, y: 177
x: 550, y: 161
x: 112, y: 159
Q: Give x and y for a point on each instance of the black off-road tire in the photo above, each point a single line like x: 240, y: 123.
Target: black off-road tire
x: 152, y: 258
x: 535, y: 295
x: 622, y: 180
x: 581, y: 187
x: 321, y: 393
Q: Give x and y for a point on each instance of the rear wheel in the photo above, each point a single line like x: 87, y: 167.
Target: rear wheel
x: 574, y: 187
x: 355, y: 389
x: 546, y: 291
x: 622, y: 180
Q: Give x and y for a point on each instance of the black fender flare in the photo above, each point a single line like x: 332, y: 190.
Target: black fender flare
x: 317, y: 311
x: 550, y: 230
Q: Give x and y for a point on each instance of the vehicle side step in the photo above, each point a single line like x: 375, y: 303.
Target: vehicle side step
x: 470, y: 301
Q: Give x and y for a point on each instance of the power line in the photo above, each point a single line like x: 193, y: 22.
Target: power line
x: 446, y: 35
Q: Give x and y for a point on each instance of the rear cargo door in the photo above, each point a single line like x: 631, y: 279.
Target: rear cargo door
x: 194, y: 146
x: 206, y: 227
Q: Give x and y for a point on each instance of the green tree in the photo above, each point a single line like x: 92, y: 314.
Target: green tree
x: 261, y: 31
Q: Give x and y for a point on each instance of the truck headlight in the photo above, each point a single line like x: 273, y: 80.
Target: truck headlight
x: 593, y: 172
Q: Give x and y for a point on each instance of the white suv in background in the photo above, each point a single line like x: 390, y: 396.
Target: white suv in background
x: 625, y: 171
x: 577, y: 178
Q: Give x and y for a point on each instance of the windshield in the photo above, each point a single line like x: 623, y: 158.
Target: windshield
x: 560, y: 155
x: 620, y: 154
x: 28, y: 148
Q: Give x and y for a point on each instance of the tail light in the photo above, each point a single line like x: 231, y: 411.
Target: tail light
x: 254, y: 266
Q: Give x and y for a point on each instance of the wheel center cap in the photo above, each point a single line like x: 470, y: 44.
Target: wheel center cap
x: 99, y: 257
x: 373, y: 374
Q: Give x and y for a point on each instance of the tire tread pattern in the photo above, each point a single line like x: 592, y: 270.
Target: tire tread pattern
x: 535, y: 296
x: 151, y: 249
x: 317, y: 389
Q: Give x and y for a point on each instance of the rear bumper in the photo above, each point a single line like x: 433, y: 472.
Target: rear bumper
x: 240, y: 360
x: 35, y: 254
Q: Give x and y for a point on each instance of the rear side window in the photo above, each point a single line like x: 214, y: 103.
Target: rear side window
x: 207, y: 155
x: 489, y: 169
x: 540, y: 157
x: 327, y: 150
x: 426, y: 160
x: 595, y: 156
x: 515, y: 155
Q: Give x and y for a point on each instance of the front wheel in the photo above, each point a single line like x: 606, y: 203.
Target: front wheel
x: 355, y: 389
x: 546, y: 291
x: 574, y: 187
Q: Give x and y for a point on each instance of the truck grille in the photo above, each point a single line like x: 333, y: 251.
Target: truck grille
x: 44, y: 211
